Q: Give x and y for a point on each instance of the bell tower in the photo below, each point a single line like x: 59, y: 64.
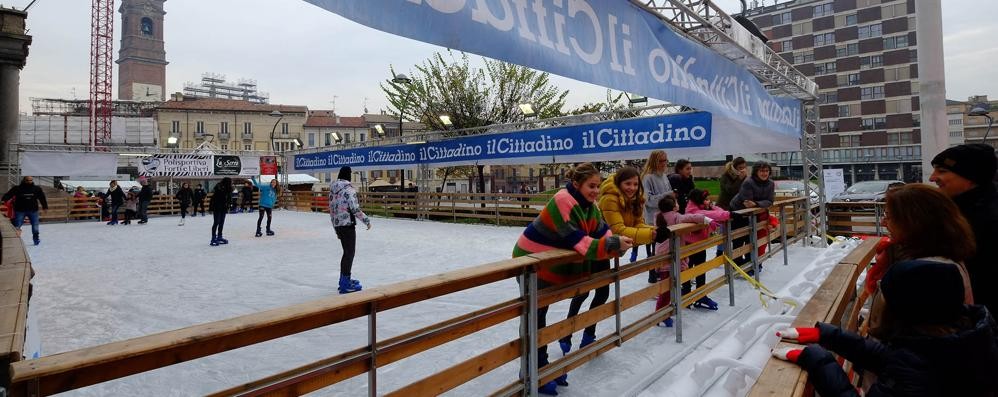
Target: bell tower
x: 142, y: 56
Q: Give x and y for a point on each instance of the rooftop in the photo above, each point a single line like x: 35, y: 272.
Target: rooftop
x: 189, y: 103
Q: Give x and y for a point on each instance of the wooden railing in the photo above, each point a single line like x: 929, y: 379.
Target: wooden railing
x: 15, y: 290
x: 828, y: 305
x: 856, y: 218
x: 70, y: 370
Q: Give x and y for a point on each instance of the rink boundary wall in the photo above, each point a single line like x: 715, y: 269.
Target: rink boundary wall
x: 15, y: 292
x: 70, y: 370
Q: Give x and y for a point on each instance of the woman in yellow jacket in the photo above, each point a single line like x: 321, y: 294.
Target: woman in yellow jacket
x: 622, y: 203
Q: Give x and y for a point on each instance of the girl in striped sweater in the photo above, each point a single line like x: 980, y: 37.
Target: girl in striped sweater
x: 570, y: 220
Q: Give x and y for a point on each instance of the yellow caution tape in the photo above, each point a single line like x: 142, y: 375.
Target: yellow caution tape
x: 763, y: 291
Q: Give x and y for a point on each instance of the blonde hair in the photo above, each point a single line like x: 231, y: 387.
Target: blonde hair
x: 652, y: 162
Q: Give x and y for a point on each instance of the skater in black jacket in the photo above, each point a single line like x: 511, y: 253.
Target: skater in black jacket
x: 26, y: 198
x: 199, y: 195
x: 185, y: 195
x: 219, y: 207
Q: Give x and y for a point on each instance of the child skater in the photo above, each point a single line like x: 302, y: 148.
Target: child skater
x: 669, y: 215
x: 268, y: 197
x: 699, y: 204
x: 131, y: 203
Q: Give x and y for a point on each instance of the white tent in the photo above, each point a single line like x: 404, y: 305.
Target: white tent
x: 293, y: 179
x: 100, y: 186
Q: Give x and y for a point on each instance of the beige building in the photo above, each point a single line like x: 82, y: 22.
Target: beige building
x: 231, y: 125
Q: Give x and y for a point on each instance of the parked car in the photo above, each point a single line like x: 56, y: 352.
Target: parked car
x: 867, y: 191
x: 789, y: 187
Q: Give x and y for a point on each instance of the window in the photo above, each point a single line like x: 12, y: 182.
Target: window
x: 247, y: 128
x: 823, y: 10
x: 913, y: 56
x: 361, y: 137
x: 823, y: 39
x: 853, y: 79
x: 328, y: 139
x: 346, y: 137
x: 843, y: 110
x: 828, y: 97
x: 866, y: 3
x: 825, y: 68
x: 893, y: 42
x: 830, y: 126
x: 848, y: 140
x: 223, y: 127
x: 804, y: 57
x: 914, y: 88
x: 894, y: 10
x: 782, y: 19
x: 225, y: 146
x: 311, y: 139
x: 875, y: 30
x: 850, y: 20
x: 786, y: 45
x: 916, y: 119
x: 870, y: 62
x: 802, y: 28
x: 145, y: 26
x: 175, y: 126
x: 872, y: 93
x: 898, y: 106
x: 956, y: 122
x: 199, y: 127
x: 247, y: 147
x: 874, y: 123
x: 284, y: 128
x: 848, y: 49
x: 899, y: 73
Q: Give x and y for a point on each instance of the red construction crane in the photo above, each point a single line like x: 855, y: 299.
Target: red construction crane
x: 101, y: 51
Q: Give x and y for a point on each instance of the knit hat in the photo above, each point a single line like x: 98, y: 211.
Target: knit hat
x: 923, y: 292
x: 344, y: 173
x: 975, y: 161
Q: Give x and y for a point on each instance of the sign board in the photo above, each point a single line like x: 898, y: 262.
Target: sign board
x: 834, y: 182
x: 551, y: 145
x: 198, y: 165
x: 268, y: 165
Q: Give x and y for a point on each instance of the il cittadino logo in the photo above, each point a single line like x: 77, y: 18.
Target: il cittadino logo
x: 227, y: 165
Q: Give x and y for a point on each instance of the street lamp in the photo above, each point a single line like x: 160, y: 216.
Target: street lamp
x: 527, y: 109
x: 336, y: 137
x: 635, y: 98
x: 402, y: 79
x: 380, y: 129
x: 445, y: 119
x: 981, y: 109
x: 280, y: 116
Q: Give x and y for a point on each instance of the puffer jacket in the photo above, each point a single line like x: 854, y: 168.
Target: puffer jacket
x: 344, y: 209
x: 568, y: 221
x: 961, y: 363
x: 268, y: 196
x: 731, y: 182
x: 669, y: 219
x: 717, y: 214
x: 762, y: 192
x: 620, y: 216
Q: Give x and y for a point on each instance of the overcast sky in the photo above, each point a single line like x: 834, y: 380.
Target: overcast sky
x: 303, y: 55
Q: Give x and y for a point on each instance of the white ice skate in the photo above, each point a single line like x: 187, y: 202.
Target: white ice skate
x: 181, y: 222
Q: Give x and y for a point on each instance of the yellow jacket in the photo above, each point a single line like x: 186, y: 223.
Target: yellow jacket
x: 619, y: 216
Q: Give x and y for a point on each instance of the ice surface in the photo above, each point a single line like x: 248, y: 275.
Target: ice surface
x: 97, y: 284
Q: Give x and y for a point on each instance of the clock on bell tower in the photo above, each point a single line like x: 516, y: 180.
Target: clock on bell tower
x: 142, y: 56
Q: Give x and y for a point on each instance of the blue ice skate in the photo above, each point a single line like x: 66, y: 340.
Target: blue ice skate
x: 587, y: 339
x: 348, y: 285
x: 705, y: 303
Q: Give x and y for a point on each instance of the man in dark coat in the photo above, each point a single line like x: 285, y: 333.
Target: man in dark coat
x: 966, y: 173
x: 26, y: 198
x: 199, y: 195
x: 145, y: 197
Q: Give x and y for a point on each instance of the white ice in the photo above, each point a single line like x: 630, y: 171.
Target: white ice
x: 97, y: 284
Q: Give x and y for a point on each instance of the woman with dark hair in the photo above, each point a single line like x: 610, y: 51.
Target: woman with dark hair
x: 756, y: 192
x: 117, y: 199
x: 570, y: 220
x: 682, y: 182
x: 219, y: 205
x: 655, y: 183
x: 184, y: 196
x: 731, y: 181
x: 924, y: 224
x: 622, y: 203
x: 268, y: 198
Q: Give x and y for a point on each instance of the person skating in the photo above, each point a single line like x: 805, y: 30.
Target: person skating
x: 131, y: 203
x: 268, y: 198
x: 344, y: 210
x: 145, y: 197
x: 26, y: 197
x: 185, y: 196
x: 247, y: 197
x: 117, y: 198
x: 219, y: 205
x: 699, y: 204
x: 199, y: 195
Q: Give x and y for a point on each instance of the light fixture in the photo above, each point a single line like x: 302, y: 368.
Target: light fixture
x: 336, y: 136
x: 445, y: 119
x: 527, y: 109
x: 380, y: 129
x: 172, y: 140
x: 416, y: 142
x: 276, y: 113
x: 635, y: 98
x: 401, y: 79
x: 982, y: 110
x: 298, y: 143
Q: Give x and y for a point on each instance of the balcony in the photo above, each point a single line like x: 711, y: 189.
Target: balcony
x: 223, y: 135
x: 247, y: 136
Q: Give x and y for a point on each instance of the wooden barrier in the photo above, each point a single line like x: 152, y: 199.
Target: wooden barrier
x: 856, y: 218
x: 70, y: 370
x: 782, y: 378
x: 15, y: 291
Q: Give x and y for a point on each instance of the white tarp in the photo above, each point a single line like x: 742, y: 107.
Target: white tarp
x: 68, y: 164
x: 99, y: 186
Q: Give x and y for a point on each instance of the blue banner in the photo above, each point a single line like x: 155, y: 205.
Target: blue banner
x: 589, y: 141
x: 613, y: 43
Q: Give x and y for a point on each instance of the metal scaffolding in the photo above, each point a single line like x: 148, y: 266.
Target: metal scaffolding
x: 214, y: 85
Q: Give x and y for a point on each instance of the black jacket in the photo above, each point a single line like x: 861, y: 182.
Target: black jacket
x: 247, y: 193
x: 26, y: 197
x: 199, y: 195
x: 220, y: 197
x: 146, y: 193
x: 980, y: 206
x: 963, y: 364
x: 682, y: 187
x: 117, y: 196
x: 185, y: 195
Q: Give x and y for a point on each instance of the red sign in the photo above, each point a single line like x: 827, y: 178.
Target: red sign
x: 268, y: 165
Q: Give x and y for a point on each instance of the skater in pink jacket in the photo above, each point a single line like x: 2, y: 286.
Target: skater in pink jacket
x: 668, y: 216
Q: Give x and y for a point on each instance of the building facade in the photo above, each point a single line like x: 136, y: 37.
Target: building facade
x: 230, y: 125
x: 142, y: 56
x: 862, y: 55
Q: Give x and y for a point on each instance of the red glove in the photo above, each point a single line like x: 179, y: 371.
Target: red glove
x: 802, y: 335
x: 790, y: 354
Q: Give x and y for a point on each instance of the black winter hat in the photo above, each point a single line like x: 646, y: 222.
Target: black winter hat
x: 975, y: 161
x: 923, y: 291
x: 344, y: 173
